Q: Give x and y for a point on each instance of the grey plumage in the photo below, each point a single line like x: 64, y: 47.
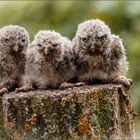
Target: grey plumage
x: 48, y: 61
x: 100, y: 55
x: 13, y: 42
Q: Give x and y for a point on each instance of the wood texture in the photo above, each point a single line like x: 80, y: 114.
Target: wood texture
x: 87, y: 112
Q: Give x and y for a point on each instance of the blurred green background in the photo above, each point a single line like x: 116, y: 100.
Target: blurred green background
x: 123, y: 17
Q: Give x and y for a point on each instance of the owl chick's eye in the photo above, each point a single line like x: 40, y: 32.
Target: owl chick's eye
x: 39, y: 45
x: 23, y: 40
x: 84, y: 39
x: 102, y: 37
x: 54, y: 45
x: 6, y: 40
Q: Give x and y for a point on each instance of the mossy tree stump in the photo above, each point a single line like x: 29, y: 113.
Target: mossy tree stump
x: 87, y: 112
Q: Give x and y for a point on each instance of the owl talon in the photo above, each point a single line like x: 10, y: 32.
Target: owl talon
x: 124, y: 81
x: 3, y: 91
x: 24, y: 89
x: 66, y: 85
x: 79, y: 84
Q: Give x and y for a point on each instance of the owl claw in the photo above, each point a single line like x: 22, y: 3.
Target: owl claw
x: 66, y: 85
x: 3, y: 91
x: 79, y: 84
x: 25, y: 88
x: 124, y: 81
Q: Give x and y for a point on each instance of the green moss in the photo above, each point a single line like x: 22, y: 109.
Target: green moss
x: 87, y: 114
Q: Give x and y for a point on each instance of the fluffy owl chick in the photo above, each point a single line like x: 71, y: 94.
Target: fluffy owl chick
x: 13, y: 42
x: 100, y: 55
x: 49, y: 61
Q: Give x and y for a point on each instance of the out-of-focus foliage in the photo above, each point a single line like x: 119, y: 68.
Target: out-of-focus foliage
x: 123, y: 17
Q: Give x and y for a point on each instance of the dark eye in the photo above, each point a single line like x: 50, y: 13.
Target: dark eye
x: 6, y: 40
x: 102, y: 37
x: 84, y: 39
x: 54, y: 45
x: 39, y: 45
x: 23, y: 40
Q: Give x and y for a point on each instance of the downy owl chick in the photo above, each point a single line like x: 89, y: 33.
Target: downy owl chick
x: 13, y: 43
x: 100, y: 55
x: 48, y: 61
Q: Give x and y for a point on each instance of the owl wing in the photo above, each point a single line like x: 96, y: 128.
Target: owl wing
x: 118, y: 52
x: 117, y: 47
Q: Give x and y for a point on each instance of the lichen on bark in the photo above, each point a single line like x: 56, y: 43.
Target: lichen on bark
x: 87, y: 112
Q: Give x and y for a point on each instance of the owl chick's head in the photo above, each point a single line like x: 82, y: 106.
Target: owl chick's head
x: 14, y: 38
x: 91, y: 36
x: 48, y: 42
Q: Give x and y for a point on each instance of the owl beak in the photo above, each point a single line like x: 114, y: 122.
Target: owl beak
x: 16, y: 48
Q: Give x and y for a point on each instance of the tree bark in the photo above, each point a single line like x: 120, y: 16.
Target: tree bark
x: 87, y: 112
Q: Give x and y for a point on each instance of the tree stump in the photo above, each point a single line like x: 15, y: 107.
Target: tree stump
x: 86, y: 112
